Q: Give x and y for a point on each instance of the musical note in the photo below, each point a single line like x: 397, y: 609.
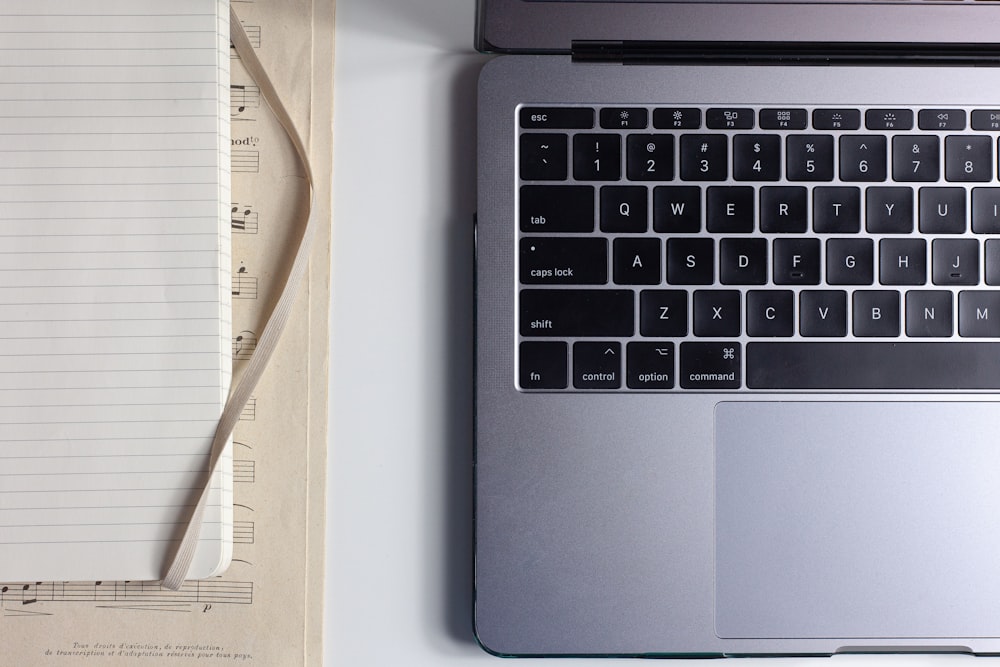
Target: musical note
x: 244, y: 345
x: 244, y: 285
x: 244, y: 219
x: 241, y: 99
x: 245, y: 162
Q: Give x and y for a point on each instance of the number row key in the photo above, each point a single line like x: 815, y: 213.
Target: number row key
x: 757, y: 157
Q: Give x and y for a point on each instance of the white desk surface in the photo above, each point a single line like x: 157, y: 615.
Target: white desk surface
x: 399, y: 530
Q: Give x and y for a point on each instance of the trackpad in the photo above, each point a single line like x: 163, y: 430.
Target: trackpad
x: 857, y: 520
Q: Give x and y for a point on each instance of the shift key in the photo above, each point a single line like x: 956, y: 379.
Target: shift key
x: 564, y: 261
x: 570, y: 313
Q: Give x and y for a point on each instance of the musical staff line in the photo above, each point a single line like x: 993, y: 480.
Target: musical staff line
x: 243, y: 532
x: 210, y: 591
x: 244, y: 344
x: 249, y: 413
x: 245, y: 162
x: 253, y: 35
x: 243, y: 98
x: 244, y: 471
x: 244, y: 219
x: 244, y: 285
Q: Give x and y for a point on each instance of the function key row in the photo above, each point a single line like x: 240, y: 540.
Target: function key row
x: 742, y: 118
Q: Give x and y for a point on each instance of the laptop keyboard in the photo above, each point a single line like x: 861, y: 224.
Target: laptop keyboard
x: 747, y: 248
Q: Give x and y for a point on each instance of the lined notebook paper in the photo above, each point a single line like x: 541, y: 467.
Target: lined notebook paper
x: 114, y: 284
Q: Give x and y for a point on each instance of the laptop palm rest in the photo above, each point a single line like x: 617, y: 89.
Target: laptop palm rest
x: 857, y: 520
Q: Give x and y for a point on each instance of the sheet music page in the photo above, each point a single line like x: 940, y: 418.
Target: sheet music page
x: 113, y: 366
x: 267, y: 607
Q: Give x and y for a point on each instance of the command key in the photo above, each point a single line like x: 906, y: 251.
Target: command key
x: 711, y: 366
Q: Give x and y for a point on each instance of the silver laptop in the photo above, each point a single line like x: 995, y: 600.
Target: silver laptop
x: 738, y: 328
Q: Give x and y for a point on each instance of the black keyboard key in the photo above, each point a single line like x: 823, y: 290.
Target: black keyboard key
x: 704, y: 157
x: 986, y: 210
x: 823, y: 313
x: 836, y: 210
x: 729, y: 209
x: 557, y: 208
x: 711, y: 366
x: 783, y: 119
x: 968, y: 159
x: 542, y: 365
x: 756, y: 157
x: 637, y: 261
x: 863, y: 158
x: 649, y: 157
x: 567, y: 313
x: 836, y: 119
x: 624, y: 118
x: 809, y: 157
x: 850, y: 262
x: 564, y: 261
x: 770, y: 313
x: 716, y: 313
x: 889, y: 119
x: 929, y: 314
x: 597, y: 365
x: 889, y: 210
x: 729, y: 118
x: 690, y: 261
x: 649, y: 365
x: 675, y: 118
x: 543, y: 157
x: 873, y: 365
x: 941, y: 119
x: 955, y: 262
x: 902, y: 261
x: 677, y: 209
x: 979, y: 315
x: 623, y: 209
x: 663, y: 313
x: 597, y: 157
x: 991, y: 258
x: 986, y: 119
x: 796, y: 261
x: 876, y: 313
x: 916, y: 158
x: 783, y: 209
x: 557, y: 118
x: 743, y: 261
x: 942, y: 210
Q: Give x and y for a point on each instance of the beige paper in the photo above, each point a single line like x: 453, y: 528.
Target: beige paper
x: 267, y: 608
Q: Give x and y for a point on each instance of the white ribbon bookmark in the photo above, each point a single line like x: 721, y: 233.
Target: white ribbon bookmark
x: 180, y: 563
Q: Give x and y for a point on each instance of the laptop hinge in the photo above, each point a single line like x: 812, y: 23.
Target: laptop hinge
x: 784, y: 53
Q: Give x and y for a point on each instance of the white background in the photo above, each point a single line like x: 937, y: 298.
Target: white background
x: 399, y: 540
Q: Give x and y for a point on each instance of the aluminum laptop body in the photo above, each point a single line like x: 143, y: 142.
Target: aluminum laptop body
x: 737, y: 350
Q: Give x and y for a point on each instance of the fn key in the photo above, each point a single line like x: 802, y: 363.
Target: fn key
x: 542, y: 365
